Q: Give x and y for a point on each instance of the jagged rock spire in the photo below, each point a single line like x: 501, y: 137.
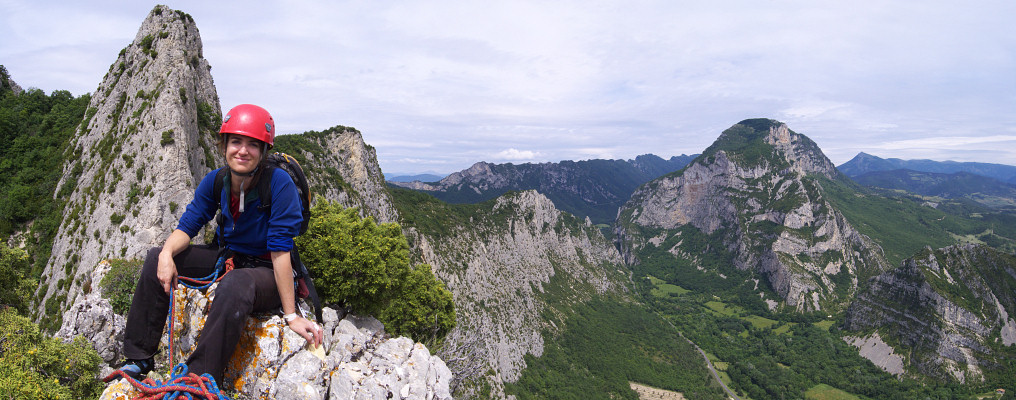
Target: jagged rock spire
x: 147, y: 138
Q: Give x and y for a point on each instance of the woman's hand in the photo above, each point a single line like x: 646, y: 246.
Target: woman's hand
x: 308, y: 329
x: 175, y: 243
x: 167, y: 271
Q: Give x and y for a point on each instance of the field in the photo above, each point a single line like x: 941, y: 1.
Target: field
x: 826, y: 392
x: 663, y: 289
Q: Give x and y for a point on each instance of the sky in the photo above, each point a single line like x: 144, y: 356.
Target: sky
x: 436, y: 86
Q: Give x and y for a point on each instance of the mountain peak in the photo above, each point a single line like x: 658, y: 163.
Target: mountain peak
x: 148, y: 136
x: 770, y: 143
x: 754, y: 191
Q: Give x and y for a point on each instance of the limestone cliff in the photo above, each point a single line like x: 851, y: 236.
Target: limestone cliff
x: 340, y: 167
x: 946, y: 312
x: 512, y: 265
x: 147, y: 139
x: 757, y: 189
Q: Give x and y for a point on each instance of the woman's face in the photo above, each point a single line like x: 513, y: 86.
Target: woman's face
x: 243, y: 153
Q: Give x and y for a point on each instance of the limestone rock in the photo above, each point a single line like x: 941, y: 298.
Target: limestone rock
x: 945, y: 309
x: 341, y: 167
x: 147, y: 139
x: 92, y: 317
x: 497, y: 265
x: 757, y: 188
x: 878, y: 352
x: 357, y: 359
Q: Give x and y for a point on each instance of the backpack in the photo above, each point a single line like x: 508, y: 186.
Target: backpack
x: 301, y: 276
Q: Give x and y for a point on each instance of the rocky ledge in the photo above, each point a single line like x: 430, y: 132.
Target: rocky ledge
x: 357, y: 359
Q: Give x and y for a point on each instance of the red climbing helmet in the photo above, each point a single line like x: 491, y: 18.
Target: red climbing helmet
x: 250, y: 120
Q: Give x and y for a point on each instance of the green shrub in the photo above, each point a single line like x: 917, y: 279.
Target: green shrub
x: 425, y: 308
x: 15, y: 286
x: 167, y: 137
x: 208, y: 119
x: 119, y: 283
x: 358, y: 263
x: 35, y: 366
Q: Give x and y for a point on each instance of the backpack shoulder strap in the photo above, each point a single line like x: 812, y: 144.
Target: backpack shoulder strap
x: 217, y: 188
x: 265, y: 188
x: 220, y: 183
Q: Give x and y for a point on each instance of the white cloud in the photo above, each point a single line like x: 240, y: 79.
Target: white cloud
x: 515, y: 155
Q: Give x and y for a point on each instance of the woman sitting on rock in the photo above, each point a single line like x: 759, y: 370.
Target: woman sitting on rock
x: 259, y: 240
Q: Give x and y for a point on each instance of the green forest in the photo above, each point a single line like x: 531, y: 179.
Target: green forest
x: 35, y: 129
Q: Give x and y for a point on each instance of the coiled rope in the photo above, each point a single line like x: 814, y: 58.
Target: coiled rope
x: 181, y: 385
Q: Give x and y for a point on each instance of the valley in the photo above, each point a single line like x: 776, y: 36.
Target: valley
x: 754, y: 270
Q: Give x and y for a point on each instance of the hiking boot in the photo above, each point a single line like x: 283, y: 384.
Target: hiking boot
x: 137, y: 369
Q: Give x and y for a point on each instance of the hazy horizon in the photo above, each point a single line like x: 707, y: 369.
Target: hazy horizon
x: 438, y: 86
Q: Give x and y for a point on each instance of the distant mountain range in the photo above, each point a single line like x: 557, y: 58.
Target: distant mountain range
x: 864, y: 163
x: 987, y: 191
x: 590, y: 188
x: 412, y: 178
x: 991, y: 185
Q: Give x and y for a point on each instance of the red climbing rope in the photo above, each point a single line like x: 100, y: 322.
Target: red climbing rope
x: 181, y: 385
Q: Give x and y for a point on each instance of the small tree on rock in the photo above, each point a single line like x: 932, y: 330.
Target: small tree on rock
x: 365, y: 266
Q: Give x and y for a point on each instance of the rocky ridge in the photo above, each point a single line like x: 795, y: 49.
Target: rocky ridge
x: 943, y: 311
x: 501, y: 265
x: 340, y: 167
x: 357, y: 359
x: 147, y: 139
x: 758, y: 187
x: 864, y: 163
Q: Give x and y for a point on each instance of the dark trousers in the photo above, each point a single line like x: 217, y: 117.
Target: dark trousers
x: 240, y: 292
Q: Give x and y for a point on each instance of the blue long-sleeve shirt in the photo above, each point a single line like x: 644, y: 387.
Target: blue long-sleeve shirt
x: 254, y: 232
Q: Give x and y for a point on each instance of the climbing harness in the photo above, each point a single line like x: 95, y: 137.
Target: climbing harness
x: 181, y: 385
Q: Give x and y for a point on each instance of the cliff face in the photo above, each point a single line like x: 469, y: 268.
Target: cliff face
x: 340, y: 167
x: 512, y: 268
x: 948, y: 311
x: 147, y: 138
x: 758, y: 188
